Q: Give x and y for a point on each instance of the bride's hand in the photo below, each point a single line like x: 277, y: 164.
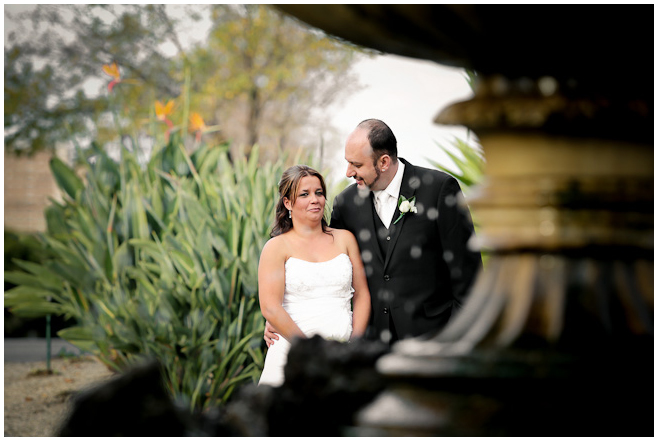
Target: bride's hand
x: 269, y: 334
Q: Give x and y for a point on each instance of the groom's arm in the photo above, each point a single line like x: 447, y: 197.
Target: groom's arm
x: 336, y: 220
x: 456, y: 229
x: 270, y: 334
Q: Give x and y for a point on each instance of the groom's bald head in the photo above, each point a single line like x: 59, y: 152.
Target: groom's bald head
x: 371, y: 155
x: 381, y: 138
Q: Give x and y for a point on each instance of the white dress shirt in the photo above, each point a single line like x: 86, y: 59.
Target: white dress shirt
x: 386, y: 200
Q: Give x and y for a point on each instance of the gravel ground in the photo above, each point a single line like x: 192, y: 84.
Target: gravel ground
x: 36, y: 402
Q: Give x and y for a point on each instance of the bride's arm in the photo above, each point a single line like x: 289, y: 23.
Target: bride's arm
x: 271, y: 281
x: 361, y: 300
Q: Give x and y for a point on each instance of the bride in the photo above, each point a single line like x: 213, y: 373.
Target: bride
x: 311, y: 278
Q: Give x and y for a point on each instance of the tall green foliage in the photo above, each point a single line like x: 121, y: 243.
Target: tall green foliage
x: 469, y: 162
x: 159, y: 260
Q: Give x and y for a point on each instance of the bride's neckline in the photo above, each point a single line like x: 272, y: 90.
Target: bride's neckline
x: 324, y: 261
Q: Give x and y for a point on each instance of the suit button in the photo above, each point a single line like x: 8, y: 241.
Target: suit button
x: 385, y: 310
x: 387, y: 277
x: 388, y: 237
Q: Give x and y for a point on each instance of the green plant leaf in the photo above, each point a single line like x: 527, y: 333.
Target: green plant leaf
x: 80, y: 337
x: 37, y: 308
x: 66, y: 178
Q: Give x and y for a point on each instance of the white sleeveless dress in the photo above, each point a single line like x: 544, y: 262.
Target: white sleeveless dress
x: 317, y: 297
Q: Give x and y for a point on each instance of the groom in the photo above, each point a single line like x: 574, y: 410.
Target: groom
x: 417, y: 260
x: 418, y: 264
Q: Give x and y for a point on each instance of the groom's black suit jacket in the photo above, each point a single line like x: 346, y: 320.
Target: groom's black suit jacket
x: 420, y: 269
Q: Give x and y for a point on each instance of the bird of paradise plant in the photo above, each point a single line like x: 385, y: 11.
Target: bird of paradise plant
x: 162, y: 111
x: 198, y: 125
x: 113, y: 71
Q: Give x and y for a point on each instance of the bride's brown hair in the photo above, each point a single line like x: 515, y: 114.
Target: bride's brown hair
x: 288, y: 188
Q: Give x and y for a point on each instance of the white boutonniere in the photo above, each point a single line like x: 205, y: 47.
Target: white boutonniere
x: 405, y: 206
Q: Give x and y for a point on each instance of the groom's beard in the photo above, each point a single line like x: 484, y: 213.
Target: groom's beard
x: 378, y: 174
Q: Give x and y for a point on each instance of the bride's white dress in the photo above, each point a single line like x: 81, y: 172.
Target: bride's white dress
x: 318, y: 298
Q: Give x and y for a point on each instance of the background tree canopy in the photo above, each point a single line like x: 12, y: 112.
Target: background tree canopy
x: 256, y: 76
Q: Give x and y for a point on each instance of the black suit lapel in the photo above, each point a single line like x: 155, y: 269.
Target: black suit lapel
x: 408, y: 188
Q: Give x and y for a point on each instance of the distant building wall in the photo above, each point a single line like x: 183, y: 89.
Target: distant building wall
x: 28, y: 185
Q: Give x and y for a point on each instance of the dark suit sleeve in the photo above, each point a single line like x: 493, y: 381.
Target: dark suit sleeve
x: 336, y: 220
x: 455, y: 230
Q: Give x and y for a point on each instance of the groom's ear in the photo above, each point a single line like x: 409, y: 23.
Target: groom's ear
x: 385, y: 162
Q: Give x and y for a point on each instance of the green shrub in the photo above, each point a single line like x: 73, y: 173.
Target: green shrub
x: 469, y: 167
x: 24, y: 246
x: 159, y: 260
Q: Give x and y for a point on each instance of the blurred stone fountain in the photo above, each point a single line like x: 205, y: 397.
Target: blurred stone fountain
x: 557, y: 336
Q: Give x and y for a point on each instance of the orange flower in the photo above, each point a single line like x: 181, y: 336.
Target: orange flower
x: 196, y: 122
x: 113, y: 71
x: 161, y: 112
x: 197, y: 125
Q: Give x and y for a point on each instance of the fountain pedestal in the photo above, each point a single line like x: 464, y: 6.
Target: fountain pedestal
x: 556, y: 338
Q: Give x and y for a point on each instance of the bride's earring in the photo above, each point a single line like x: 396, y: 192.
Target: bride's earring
x: 290, y: 214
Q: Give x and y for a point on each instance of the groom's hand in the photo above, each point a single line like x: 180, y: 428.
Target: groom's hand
x: 269, y: 334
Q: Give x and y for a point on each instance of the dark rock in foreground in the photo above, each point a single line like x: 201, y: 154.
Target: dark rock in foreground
x: 327, y: 382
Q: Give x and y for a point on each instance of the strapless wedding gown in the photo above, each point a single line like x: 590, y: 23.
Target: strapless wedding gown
x: 318, y: 298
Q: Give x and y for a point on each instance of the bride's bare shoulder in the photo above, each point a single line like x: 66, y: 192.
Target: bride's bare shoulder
x: 342, y: 235
x: 275, y: 247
